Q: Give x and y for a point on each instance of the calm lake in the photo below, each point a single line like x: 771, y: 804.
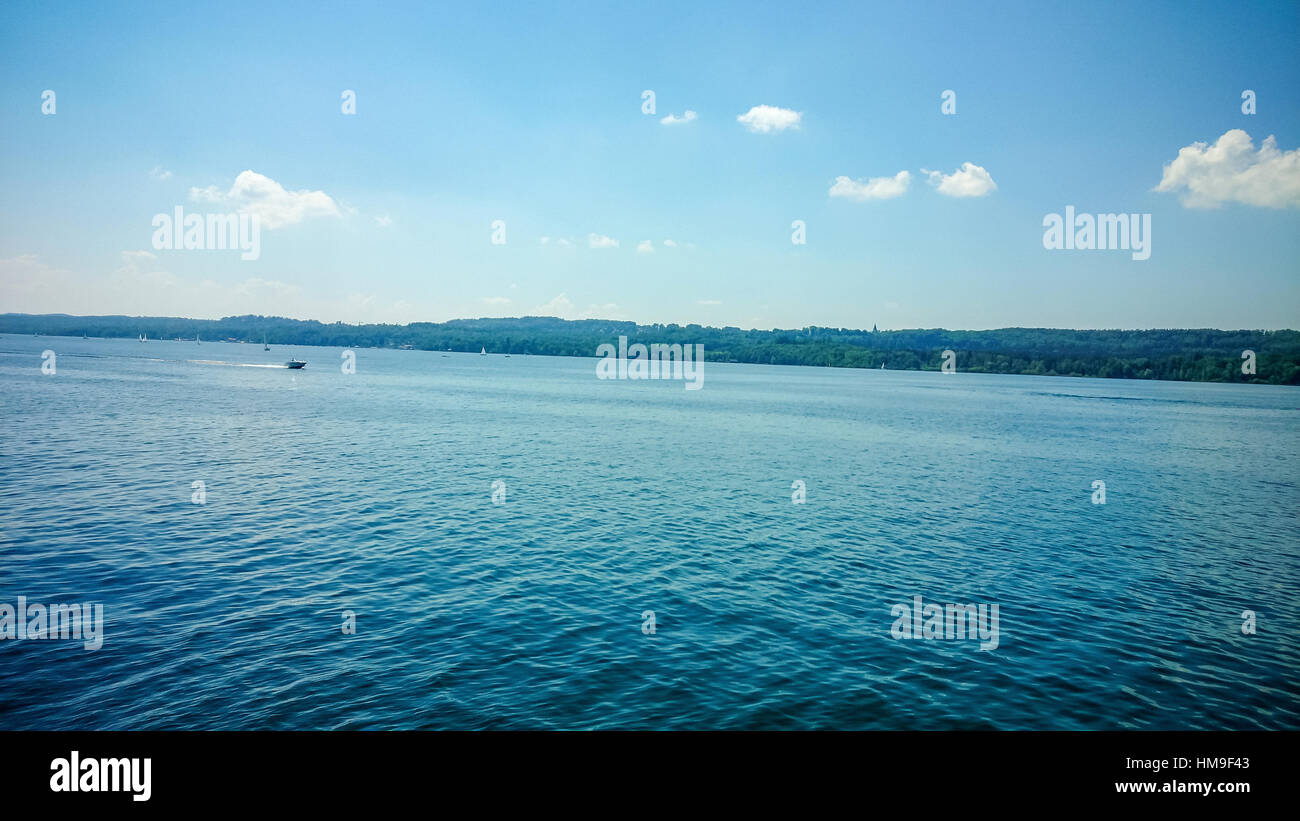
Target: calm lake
x: 373, y: 493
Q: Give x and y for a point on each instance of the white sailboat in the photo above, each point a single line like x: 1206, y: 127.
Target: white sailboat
x: 482, y: 351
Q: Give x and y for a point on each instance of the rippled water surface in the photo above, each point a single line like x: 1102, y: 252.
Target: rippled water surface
x: 372, y: 493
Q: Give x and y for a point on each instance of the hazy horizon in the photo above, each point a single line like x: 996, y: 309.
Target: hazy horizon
x: 608, y: 319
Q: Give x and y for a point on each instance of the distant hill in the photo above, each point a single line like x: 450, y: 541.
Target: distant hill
x: 1200, y: 355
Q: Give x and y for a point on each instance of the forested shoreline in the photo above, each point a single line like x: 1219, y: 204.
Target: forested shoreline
x: 1198, y: 355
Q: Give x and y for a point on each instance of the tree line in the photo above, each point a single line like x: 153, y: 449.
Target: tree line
x: 1199, y: 355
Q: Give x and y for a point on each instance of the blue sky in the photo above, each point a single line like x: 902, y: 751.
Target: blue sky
x: 470, y: 113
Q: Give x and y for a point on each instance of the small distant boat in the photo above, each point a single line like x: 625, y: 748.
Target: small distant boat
x: 295, y: 364
x: 142, y: 339
x: 482, y: 351
x: 265, y: 346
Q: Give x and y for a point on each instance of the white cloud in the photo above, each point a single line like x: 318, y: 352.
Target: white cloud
x: 674, y: 120
x: 496, y: 300
x: 383, y: 221
x: 254, y: 193
x: 669, y: 244
x: 1232, y: 171
x: 137, y: 273
x: 607, y: 311
x: 708, y: 302
x: 601, y: 241
x: 159, y: 173
x: 763, y: 119
x: 136, y: 287
x: 970, y: 180
x: 259, y: 288
x: 876, y: 188
x: 545, y: 240
x: 562, y: 307
x: 645, y: 246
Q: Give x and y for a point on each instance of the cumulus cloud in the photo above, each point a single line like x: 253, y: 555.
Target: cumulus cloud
x: 601, y: 241
x: 645, y: 246
x: 607, y: 311
x: 674, y: 120
x: 764, y: 119
x: 970, y: 180
x: 134, y: 285
x: 876, y: 188
x: 159, y: 173
x: 561, y: 306
x: 138, y: 272
x: 669, y: 244
x: 275, y: 206
x: 1231, y: 170
x: 274, y: 289
x: 383, y: 221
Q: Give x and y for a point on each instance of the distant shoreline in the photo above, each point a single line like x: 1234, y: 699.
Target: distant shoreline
x: 1182, y: 355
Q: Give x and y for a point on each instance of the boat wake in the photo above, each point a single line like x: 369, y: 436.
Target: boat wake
x: 232, y: 364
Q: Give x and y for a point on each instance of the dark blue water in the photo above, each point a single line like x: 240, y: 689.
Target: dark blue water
x: 372, y: 492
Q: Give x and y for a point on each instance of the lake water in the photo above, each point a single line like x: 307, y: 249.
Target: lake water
x: 373, y: 493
